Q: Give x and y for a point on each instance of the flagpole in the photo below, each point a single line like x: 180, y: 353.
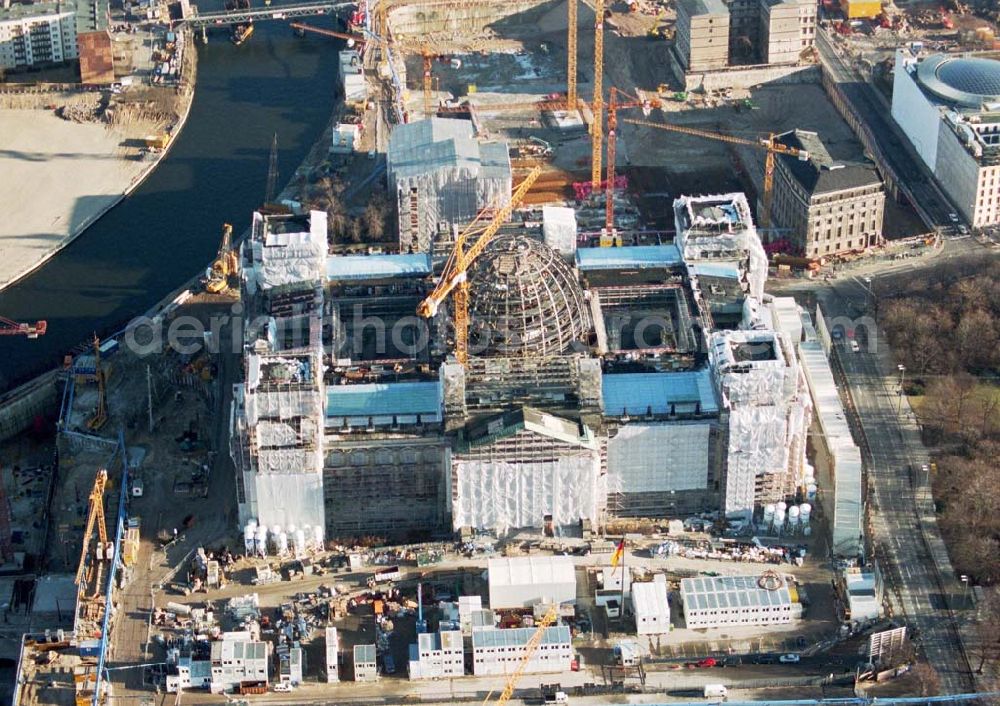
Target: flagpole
x: 624, y: 552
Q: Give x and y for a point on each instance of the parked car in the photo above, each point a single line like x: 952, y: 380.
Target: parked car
x: 855, y: 347
x: 953, y: 217
x: 283, y: 687
x: 789, y: 659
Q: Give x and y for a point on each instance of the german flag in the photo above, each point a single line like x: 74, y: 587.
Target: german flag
x: 619, y: 553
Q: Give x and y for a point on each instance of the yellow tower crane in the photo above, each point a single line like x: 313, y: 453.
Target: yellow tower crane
x: 100, y: 417
x: 571, y: 55
x: 425, y: 52
x: 597, y: 126
x: 769, y: 144
x: 454, y: 276
x: 94, y: 517
x: 529, y: 649
x: 226, y: 263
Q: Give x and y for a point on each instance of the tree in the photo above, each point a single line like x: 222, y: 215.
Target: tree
x: 928, y: 678
x: 374, y: 221
x: 986, y: 648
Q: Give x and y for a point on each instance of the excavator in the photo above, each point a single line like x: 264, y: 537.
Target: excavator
x: 226, y: 264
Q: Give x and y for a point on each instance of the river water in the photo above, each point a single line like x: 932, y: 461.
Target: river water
x: 170, y: 227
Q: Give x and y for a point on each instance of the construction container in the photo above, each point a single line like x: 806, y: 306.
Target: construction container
x: 158, y: 141
x: 862, y: 9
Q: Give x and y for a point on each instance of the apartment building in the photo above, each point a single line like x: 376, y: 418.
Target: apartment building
x: 39, y: 34
x: 715, y: 34
x: 702, y: 36
x: 787, y: 28
x: 829, y: 206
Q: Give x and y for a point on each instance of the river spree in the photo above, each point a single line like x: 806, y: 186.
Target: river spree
x: 170, y: 226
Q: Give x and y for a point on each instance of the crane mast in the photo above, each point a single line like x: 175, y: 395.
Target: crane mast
x: 769, y: 144
x: 571, y: 13
x: 529, y: 649
x: 454, y: 276
x: 95, y: 516
x: 597, y: 126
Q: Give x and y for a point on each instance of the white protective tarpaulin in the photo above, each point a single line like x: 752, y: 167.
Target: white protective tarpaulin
x: 651, y: 458
x: 501, y: 495
x: 757, y: 438
x: 285, y: 499
x: 559, y: 229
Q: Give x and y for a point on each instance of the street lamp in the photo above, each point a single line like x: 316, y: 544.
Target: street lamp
x: 902, y: 383
x: 965, y: 581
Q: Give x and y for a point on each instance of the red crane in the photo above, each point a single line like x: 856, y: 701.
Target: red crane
x: 614, y: 105
x: 14, y: 328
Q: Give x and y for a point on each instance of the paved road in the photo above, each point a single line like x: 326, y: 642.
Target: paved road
x: 875, y: 111
x: 906, y: 537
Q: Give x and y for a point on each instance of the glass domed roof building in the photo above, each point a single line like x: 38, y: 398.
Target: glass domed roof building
x: 949, y: 107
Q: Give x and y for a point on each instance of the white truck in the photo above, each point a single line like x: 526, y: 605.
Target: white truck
x: 715, y: 691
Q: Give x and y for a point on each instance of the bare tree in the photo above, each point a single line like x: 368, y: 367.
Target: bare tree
x: 928, y: 678
x: 987, y: 645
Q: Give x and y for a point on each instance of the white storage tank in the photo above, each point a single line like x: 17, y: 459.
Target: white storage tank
x: 793, y: 516
x: 282, y: 542
x: 318, y: 537
x: 779, y: 518
x: 248, y: 538
x: 273, y: 538
x: 261, y: 541
x: 768, y: 514
x: 300, y: 541
x: 805, y: 512
x: 811, y: 491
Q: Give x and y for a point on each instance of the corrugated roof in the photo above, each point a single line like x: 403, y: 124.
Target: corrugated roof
x: 383, y: 400
x: 636, y: 393
x: 361, y: 267
x: 530, y: 570
x: 516, y: 637
x: 650, y: 600
x: 821, y: 173
x: 627, y: 258
x: 713, y: 593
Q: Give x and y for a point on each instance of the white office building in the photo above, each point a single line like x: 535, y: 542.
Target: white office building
x: 437, y: 655
x: 731, y: 601
x: 496, y: 651
x: 651, y: 607
x: 332, y: 656
x: 949, y: 107
x: 235, y: 661
x: 365, y: 663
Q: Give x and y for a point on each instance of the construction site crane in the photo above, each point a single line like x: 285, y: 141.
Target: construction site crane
x: 769, y: 144
x: 100, y: 417
x: 352, y: 39
x: 428, y: 57
x: 597, y: 127
x: 571, y: 13
x: 226, y: 263
x: 455, y: 275
x: 529, y: 649
x: 95, y: 516
x: 614, y: 105
x: 15, y: 328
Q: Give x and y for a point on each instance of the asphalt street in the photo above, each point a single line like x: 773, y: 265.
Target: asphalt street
x: 906, y: 537
x: 875, y: 112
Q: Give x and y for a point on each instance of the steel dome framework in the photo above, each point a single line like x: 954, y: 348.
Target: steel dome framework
x: 525, y: 301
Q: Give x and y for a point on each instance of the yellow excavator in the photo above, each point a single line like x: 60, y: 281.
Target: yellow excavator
x: 226, y: 263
